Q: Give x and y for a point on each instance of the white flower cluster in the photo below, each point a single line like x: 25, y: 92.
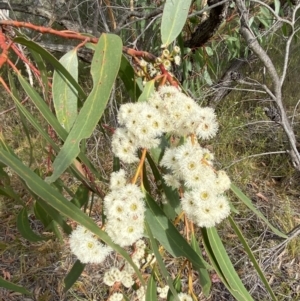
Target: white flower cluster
x: 152, y: 69
x: 184, y: 297
x: 86, y: 246
x: 114, y: 275
x: 163, y: 291
x: 192, y: 166
x: 124, y: 208
x: 125, y: 276
x: 116, y: 297
x: 141, y: 293
x: 166, y: 111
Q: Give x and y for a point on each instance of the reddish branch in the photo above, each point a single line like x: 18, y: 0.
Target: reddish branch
x: 168, y: 76
x: 74, y: 35
x: 61, y: 33
x: 4, y: 45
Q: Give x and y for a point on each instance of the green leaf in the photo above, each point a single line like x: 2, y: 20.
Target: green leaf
x: 22, y: 117
x: 4, y: 178
x: 249, y: 204
x: 204, y: 278
x: 151, y: 293
x: 209, y: 51
x: 172, y: 208
x: 239, y: 233
x: 55, y: 215
x: 160, y: 262
x: 64, y: 94
x: 277, y: 6
x: 24, y: 227
x: 173, y: 19
x: 43, y: 70
x: 51, y: 119
x: 50, y: 217
x: 13, y: 287
x: 222, y: 264
x: 104, y: 69
x: 157, y: 152
x: 51, y: 59
x: 126, y: 73
x: 73, y: 274
x: 207, y: 77
x: 167, y: 234
x: 148, y: 90
x: 81, y: 196
x: 42, y: 214
x: 53, y: 198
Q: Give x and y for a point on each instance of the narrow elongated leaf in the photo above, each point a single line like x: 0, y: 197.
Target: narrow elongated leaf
x: 64, y: 94
x: 13, y: 287
x: 81, y: 196
x: 49, y: 223
x: 55, y: 215
x: 52, y: 197
x: 220, y: 260
x: 22, y: 117
x: 148, y: 90
x: 172, y: 208
x: 37, y: 58
x: 249, y: 204
x: 51, y: 119
x: 204, y: 277
x: 24, y: 227
x: 52, y: 60
x: 42, y: 214
x: 237, y: 230
x: 160, y: 262
x: 167, y: 234
x: 126, y: 73
x: 151, y: 293
x: 73, y: 274
x: 104, y: 69
x: 173, y: 19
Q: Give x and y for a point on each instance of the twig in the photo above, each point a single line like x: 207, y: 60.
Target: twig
x: 256, y: 155
x: 294, y: 112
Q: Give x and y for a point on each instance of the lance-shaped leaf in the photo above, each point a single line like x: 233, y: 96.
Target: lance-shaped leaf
x: 55, y: 199
x: 64, y: 94
x: 126, y: 73
x: 173, y: 19
x: 160, y: 262
x: 251, y: 256
x: 204, y: 277
x: 167, y: 234
x: 148, y: 90
x: 13, y: 287
x: 73, y: 274
x: 151, y: 293
x: 24, y: 227
x: 249, y: 204
x: 222, y: 264
x: 52, y: 60
x: 104, y: 69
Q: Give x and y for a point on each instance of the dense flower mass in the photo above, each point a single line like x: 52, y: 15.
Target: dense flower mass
x: 124, y: 208
x: 125, y: 275
x: 192, y: 166
x: 189, y: 165
x: 86, y: 246
x: 166, y: 111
